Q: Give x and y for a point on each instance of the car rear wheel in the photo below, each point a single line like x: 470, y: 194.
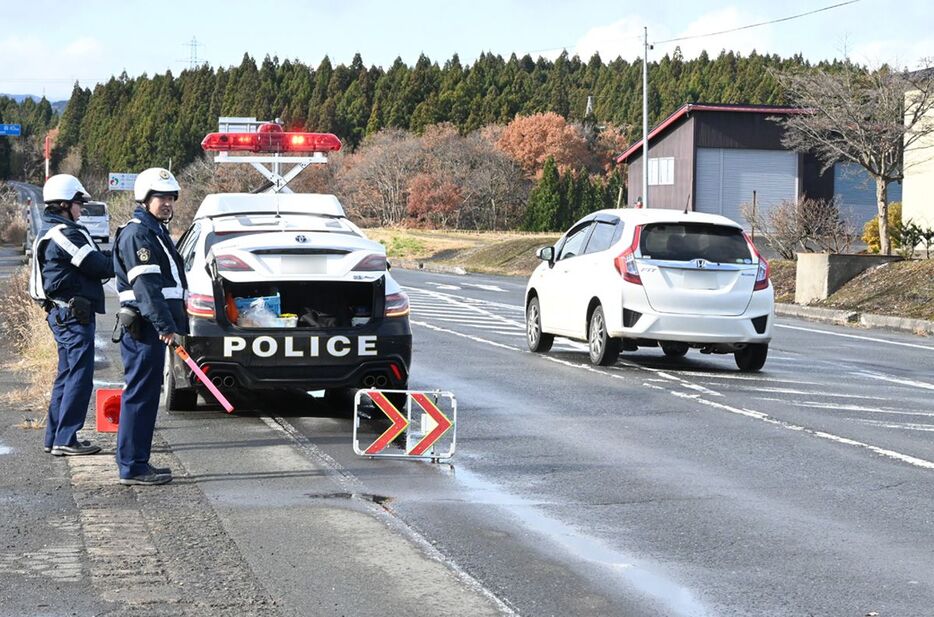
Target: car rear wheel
x: 752, y: 357
x: 178, y: 399
x: 538, y: 341
x: 674, y: 350
x: 604, y: 349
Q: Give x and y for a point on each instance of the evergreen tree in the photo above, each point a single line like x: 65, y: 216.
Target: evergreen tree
x: 545, y: 200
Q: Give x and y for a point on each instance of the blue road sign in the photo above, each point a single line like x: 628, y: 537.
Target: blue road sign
x: 10, y: 129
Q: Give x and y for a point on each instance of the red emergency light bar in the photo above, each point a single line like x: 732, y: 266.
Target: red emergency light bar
x: 271, y: 138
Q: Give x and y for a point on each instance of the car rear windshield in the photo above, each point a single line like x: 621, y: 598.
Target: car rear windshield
x: 92, y: 210
x: 688, y: 241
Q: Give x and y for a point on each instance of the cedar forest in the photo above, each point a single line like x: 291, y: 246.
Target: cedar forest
x: 496, y: 144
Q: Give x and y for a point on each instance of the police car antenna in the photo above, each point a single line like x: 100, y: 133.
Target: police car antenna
x: 687, y: 203
x: 266, y: 146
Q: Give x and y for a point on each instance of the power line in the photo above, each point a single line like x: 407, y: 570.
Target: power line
x: 764, y: 23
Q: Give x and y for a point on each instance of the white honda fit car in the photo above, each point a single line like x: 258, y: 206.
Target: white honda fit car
x: 629, y: 278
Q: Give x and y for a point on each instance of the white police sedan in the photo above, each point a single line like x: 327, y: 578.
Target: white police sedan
x: 629, y: 278
x: 286, y: 293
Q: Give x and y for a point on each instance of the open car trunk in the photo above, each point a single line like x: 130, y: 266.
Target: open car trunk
x: 313, y: 305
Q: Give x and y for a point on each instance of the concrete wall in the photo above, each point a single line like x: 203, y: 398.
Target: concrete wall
x: 818, y: 275
x: 918, y: 185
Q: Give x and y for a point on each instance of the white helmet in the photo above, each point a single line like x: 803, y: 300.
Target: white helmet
x: 154, y: 180
x: 64, y: 187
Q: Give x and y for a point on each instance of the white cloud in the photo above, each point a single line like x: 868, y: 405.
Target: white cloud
x: 31, y: 66
x: 624, y: 37
x: 743, y: 41
x: 899, y: 53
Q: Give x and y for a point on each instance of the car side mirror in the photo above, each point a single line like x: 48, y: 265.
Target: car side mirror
x: 546, y: 253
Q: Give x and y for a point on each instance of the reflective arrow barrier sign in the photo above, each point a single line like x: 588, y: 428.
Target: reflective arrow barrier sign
x: 424, y: 427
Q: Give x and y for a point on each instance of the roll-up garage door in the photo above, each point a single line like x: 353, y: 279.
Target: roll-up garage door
x: 727, y: 177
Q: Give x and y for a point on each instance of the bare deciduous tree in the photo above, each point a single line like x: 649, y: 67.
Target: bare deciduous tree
x: 865, y: 117
x: 803, y: 225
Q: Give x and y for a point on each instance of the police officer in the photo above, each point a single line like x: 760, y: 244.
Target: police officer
x: 151, y: 285
x: 67, y: 277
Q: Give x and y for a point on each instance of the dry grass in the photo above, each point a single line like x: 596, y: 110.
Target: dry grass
x: 511, y: 253
x: 903, y: 288
x: 23, y: 326
x: 782, y: 275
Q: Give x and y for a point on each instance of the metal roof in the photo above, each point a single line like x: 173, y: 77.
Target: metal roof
x: 687, y: 108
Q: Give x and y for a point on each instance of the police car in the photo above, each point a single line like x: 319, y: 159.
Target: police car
x: 286, y: 293
x: 629, y: 278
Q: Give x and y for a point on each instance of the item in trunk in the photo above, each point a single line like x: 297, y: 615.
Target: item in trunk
x: 316, y: 319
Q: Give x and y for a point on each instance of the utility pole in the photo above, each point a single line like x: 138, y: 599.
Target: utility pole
x: 645, y: 119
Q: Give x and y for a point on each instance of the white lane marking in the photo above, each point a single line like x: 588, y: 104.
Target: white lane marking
x: 740, y: 377
x: 827, y: 394
x: 476, y: 320
x: 858, y: 336
x: 750, y: 413
x: 904, y: 382
x: 485, y: 287
x: 493, y: 326
x: 839, y: 407
x: 464, y: 299
x: 904, y: 426
x: 510, y: 333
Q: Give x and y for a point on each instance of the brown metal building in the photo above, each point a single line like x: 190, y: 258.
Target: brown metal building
x: 712, y: 158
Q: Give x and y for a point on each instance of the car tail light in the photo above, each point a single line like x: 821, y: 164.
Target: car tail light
x: 625, y: 262
x: 200, y: 305
x: 372, y: 263
x: 762, y: 274
x: 271, y: 138
x: 232, y: 263
x: 397, y: 305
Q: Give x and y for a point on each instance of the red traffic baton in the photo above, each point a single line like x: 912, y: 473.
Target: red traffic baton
x: 183, y: 354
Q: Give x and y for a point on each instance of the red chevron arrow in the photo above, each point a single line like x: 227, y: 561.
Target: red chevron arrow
x: 399, y: 423
x: 442, y: 427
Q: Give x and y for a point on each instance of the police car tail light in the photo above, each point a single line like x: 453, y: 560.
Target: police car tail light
x: 271, y: 138
x: 397, y: 305
x: 200, y: 305
x: 626, y: 261
x: 371, y: 263
x: 232, y: 263
x: 762, y: 274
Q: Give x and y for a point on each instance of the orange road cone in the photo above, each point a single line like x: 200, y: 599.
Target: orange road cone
x: 108, y: 409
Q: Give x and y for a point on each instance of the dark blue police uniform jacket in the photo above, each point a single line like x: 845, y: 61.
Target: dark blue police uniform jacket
x: 150, y: 273
x: 68, y: 263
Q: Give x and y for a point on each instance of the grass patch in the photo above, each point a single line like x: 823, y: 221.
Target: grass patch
x: 511, y: 253
x: 23, y: 326
x: 903, y: 288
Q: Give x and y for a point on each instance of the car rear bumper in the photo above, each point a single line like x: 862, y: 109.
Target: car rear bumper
x: 304, y: 359
x: 701, y: 328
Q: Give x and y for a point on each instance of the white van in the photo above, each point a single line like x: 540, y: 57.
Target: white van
x: 96, y: 219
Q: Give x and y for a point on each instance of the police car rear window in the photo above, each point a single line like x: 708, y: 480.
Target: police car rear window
x: 688, y: 241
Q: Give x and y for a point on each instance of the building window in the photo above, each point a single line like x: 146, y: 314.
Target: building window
x: 661, y: 171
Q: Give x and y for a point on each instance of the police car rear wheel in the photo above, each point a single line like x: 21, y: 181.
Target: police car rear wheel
x: 179, y: 399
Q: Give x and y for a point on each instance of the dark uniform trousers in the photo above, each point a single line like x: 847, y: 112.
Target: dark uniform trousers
x: 143, y: 361
x: 75, y: 380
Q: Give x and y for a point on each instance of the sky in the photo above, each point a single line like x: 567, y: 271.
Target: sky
x: 45, y: 46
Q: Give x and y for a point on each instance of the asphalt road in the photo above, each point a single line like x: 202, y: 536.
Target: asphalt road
x: 653, y: 487
x: 659, y: 487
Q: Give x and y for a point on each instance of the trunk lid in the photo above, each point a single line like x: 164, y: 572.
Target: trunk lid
x: 696, y: 268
